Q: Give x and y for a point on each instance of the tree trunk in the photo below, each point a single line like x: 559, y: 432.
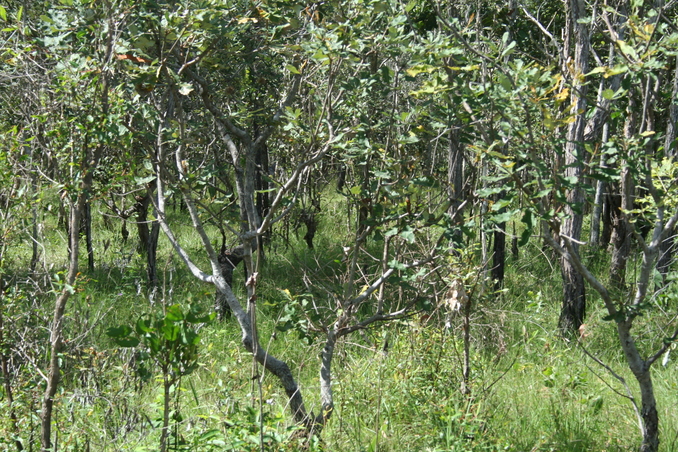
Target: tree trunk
x: 599, y: 199
x: 6, y: 378
x: 649, y: 417
x: 499, y: 256
x: 148, y: 236
x: 152, y: 254
x: 56, y: 336
x: 87, y: 224
x: 574, y: 293
x: 455, y: 177
x: 141, y: 208
x: 621, y: 233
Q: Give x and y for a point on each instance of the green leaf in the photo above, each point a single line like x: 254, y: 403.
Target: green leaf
x: 408, y: 235
x: 174, y: 313
x: 397, y: 265
x: 19, y: 13
x: 3, y: 13
x: 127, y: 342
x: 118, y: 332
x: 170, y: 331
x: 197, y: 316
x: 143, y: 326
x: 525, y: 237
x: 502, y: 217
x: 627, y: 49
x: 608, y: 94
x: 292, y: 69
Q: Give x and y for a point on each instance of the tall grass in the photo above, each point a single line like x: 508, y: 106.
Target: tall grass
x: 530, y: 389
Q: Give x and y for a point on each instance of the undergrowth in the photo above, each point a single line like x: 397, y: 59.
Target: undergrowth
x: 397, y: 387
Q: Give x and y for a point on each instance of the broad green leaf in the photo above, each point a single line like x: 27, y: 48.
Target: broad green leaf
x: 174, y: 313
x: 170, y: 331
x: 292, y: 69
x: 143, y: 326
x: 3, y: 13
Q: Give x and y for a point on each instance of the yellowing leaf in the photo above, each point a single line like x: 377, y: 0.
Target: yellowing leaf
x: 419, y: 69
x: 563, y: 95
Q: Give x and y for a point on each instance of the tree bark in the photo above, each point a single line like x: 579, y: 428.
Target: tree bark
x: 455, y: 177
x: 87, y: 225
x: 499, y: 256
x: 574, y: 292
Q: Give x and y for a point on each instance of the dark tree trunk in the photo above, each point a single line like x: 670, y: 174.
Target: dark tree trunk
x: 87, y: 224
x: 309, y: 219
x: 499, y: 256
x: 148, y: 236
x: 341, y: 177
x: 620, y: 239
x: 261, y: 184
x: 151, y: 254
x: 141, y: 208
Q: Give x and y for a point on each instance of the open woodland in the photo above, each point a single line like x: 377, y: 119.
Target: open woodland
x: 359, y: 225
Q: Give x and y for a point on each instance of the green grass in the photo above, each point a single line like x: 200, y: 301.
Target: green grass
x: 531, y: 390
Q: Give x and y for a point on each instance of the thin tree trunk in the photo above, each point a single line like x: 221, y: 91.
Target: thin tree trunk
x: 6, y: 378
x: 87, y: 220
x: 641, y: 371
x: 599, y: 199
x: 499, y: 256
x: 455, y: 176
x: 35, y: 255
x: 574, y: 292
x: 56, y: 335
x: 166, y: 384
x: 620, y: 202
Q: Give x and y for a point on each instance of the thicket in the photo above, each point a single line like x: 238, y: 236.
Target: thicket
x: 359, y: 225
